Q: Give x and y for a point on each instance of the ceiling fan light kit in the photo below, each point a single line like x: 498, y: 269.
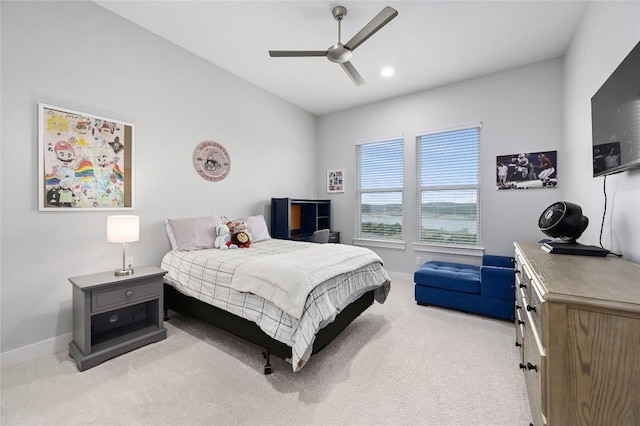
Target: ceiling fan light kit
x: 342, y: 53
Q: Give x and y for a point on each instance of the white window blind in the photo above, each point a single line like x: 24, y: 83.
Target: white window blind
x: 448, y: 187
x: 379, y: 185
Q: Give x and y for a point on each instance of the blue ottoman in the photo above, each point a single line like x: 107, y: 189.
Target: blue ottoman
x: 485, y: 290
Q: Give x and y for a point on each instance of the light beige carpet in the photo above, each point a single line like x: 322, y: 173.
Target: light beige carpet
x: 397, y: 364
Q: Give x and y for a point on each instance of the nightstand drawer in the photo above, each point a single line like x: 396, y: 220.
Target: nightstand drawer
x: 124, y: 294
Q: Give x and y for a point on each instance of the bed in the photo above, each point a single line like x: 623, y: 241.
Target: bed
x: 289, y: 298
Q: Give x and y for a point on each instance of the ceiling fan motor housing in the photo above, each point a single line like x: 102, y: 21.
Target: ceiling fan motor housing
x: 339, y: 54
x: 563, y: 220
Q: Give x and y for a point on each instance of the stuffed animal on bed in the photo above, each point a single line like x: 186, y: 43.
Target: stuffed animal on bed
x: 223, y: 238
x: 239, y: 233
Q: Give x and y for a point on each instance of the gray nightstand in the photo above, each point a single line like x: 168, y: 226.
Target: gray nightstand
x: 113, y: 315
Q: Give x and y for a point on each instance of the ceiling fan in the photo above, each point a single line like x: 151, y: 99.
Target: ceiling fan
x: 342, y: 53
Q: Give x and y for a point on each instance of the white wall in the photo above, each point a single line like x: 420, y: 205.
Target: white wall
x: 608, y: 32
x: 521, y: 111
x: 82, y: 57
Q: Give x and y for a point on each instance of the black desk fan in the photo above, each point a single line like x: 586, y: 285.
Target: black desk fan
x: 565, y: 222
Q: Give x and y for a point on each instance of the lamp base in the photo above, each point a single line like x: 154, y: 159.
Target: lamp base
x: 121, y: 272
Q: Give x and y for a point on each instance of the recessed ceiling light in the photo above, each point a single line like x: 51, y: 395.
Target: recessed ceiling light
x: 387, y: 72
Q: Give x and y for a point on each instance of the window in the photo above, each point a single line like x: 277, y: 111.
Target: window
x: 448, y: 189
x: 379, y: 184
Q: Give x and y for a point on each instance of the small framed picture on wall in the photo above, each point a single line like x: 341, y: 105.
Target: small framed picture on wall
x: 335, y: 180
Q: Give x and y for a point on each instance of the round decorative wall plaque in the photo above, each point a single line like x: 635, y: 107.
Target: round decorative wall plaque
x: 211, y: 161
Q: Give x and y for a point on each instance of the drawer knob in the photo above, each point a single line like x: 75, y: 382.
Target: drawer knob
x: 520, y: 322
x: 531, y: 308
x: 518, y: 344
x: 532, y: 367
x: 518, y: 307
x: 517, y: 271
x: 522, y: 366
x: 129, y: 293
x: 522, y: 286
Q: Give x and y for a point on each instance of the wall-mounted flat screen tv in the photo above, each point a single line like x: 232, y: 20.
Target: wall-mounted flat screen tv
x: 615, y: 119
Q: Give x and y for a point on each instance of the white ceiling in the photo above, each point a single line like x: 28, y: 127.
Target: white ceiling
x: 429, y: 43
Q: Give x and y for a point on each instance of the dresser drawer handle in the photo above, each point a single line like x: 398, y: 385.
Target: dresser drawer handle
x: 520, y: 322
x: 531, y: 308
x: 522, y: 366
x: 522, y: 286
x: 518, y: 344
x: 129, y: 293
x: 532, y: 367
x: 518, y: 307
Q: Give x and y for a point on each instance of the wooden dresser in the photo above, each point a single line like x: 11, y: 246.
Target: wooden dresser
x: 578, y: 334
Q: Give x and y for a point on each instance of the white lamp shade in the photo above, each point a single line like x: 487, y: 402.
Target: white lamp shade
x: 123, y: 228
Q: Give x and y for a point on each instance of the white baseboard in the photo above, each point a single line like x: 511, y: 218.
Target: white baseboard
x: 26, y: 354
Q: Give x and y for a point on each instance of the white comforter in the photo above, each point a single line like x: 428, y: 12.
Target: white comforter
x: 286, y: 279
x: 207, y: 275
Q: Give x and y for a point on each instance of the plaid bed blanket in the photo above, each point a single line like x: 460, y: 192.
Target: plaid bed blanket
x: 286, y: 279
x: 207, y: 274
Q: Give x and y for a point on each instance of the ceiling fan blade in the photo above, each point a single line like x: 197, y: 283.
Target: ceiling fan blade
x: 291, y: 53
x: 351, y: 71
x: 382, y: 19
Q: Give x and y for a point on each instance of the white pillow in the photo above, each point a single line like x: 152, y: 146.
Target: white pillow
x: 257, y: 227
x: 170, y: 234
x: 193, y: 233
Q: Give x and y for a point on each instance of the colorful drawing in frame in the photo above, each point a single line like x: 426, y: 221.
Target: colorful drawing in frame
x: 335, y: 180
x: 85, y: 161
x: 527, y: 170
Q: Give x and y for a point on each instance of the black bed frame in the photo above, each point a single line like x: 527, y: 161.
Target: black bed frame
x: 250, y: 332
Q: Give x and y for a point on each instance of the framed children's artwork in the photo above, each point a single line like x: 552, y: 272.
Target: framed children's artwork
x: 335, y: 180
x: 527, y: 170
x: 85, y: 162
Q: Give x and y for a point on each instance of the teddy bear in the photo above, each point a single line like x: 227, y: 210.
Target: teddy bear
x: 239, y: 233
x: 223, y: 238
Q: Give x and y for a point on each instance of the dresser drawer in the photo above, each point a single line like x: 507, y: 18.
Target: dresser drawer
x: 535, y: 370
x: 520, y: 334
x: 534, y: 308
x: 523, y: 278
x: 124, y: 294
x: 526, y: 281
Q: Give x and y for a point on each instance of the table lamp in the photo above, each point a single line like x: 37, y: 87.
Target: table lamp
x: 123, y: 229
